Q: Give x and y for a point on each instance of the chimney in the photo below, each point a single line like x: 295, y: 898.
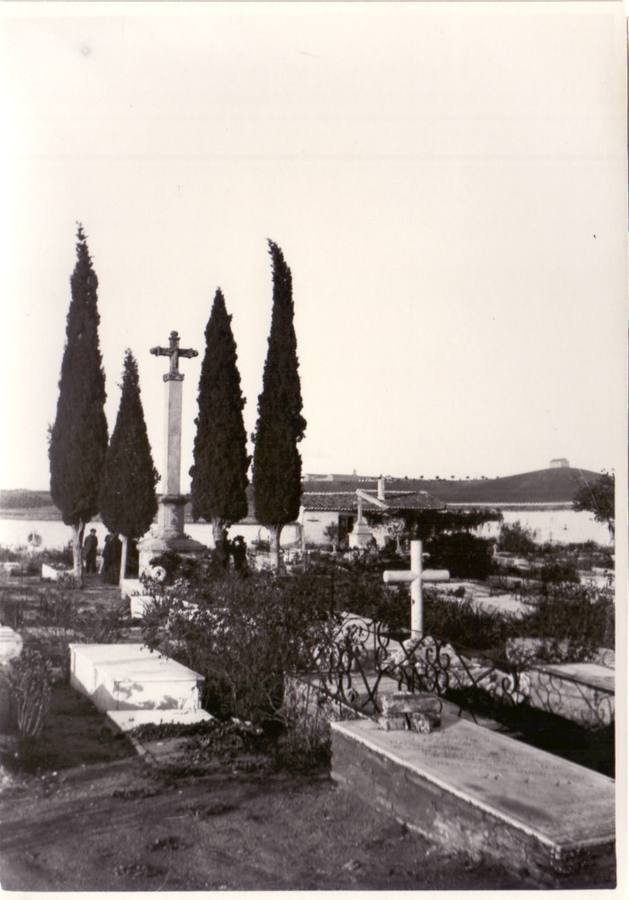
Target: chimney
x: 381, y: 487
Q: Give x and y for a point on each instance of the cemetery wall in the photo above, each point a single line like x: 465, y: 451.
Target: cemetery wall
x: 315, y: 524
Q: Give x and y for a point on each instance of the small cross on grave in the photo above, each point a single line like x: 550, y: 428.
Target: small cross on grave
x: 416, y: 576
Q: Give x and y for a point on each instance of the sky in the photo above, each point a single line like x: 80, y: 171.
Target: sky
x: 447, y: 183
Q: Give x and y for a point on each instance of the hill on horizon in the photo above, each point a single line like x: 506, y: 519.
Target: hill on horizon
x: 556, y: 485
x: 553, y: 485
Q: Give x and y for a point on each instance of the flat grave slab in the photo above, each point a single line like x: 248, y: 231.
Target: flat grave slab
x: 581, y: 692
x: 590, y: 673
x: 130, y: 676
x: 128, y: 719
x: 53, y: 573
x: 482, y: 792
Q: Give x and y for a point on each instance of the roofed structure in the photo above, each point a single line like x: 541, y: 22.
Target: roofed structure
x: 347, y: 501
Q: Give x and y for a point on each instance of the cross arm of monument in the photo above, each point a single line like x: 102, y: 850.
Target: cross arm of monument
x: 174, y: 351
x: 363, y: 495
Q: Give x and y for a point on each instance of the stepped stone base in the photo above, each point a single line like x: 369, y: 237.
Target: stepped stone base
x: 152, y: 546
x: 486, y: 794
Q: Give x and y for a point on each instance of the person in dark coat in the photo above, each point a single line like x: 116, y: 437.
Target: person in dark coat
x: 90, y: 549
x: 239, y: 553
x: 111, y: 559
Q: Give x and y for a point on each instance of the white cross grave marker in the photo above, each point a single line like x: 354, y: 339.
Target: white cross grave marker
x: 416, y: 576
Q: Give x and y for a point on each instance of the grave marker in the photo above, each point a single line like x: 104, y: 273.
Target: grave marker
x: 416, y: 576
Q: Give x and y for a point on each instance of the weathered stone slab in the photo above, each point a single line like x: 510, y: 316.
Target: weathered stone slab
x: 402, y: 710
x: 128, y: 719
x: 416, y: 722
x: 400, y: 702
x: 486, y: 794
x: 52, y: 573
x: 130, y: 676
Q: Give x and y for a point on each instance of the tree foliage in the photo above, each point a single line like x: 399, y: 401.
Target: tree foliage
x: 128, y: 502
x: 280, y: 427
x: 516, y: 538
x: 219, y: 472
x: 78, y: 437
x: 597, y: 497
x: 463, y: 554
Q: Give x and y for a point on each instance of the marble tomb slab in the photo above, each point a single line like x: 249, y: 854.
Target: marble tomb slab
x: 130, y: 676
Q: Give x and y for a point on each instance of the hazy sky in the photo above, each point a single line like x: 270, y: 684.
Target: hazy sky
x: 447, y: 183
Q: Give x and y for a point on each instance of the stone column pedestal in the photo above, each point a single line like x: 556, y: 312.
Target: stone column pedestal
x: 360, y: 536
x: 169, y: 534
x: 160, y: 542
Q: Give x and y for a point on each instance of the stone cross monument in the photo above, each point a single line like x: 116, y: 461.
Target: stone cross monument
x: 170, y: 534
x: 416, y: 577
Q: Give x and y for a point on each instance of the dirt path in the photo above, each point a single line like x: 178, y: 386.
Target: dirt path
x: 126, y: 825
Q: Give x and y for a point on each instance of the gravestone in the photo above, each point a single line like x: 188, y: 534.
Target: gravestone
x: 169, y: 533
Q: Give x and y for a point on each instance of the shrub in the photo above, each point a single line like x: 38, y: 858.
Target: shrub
x: 558, y: 572
x: 11, y: 612
x: 64, y: 557
x: 466, y: 625
x: 8, y: 555
x: 517, y: 539
x: 29, y: 678
x: 243, y: 635
x: 59, y: 620
x: 463, y: 554
x: 306, y: 741
x: 574, y: 619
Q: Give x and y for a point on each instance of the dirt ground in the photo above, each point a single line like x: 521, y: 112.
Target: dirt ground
x: 130, y: 825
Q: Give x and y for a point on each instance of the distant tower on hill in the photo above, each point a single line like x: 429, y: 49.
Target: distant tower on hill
x: 559, y: 463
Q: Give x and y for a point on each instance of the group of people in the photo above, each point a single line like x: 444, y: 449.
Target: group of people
x: 112, y: 551
x: 227, y: 549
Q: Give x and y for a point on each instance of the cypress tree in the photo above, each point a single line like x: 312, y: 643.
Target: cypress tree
x: 280, y: 427
x: 219, y: 472
x: 78, y: 438
x: 128, y: 502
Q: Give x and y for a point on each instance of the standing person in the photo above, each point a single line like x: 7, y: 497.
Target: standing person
x: 104, y: 556
x: 111, y: 559
x: 239, y: 553
x: 116, y: 550
x: 90, y: 548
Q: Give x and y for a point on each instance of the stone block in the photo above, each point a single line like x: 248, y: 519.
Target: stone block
x: 406, y: 702
x: 130, y: 676
x: 488, y: 795
x: 406, y: 711
x: 417, y: 722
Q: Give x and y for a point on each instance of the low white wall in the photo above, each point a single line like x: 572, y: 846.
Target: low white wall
x: 315, y: 523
